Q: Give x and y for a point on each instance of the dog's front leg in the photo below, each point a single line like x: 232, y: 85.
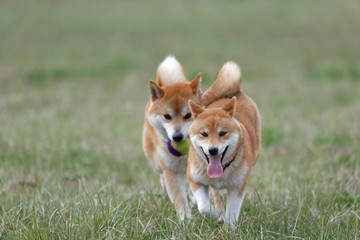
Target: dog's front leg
x: 204, y: 204
x: 175, y: 187
x: 233, y: 206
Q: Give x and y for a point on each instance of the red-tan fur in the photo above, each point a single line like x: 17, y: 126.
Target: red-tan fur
x: 224, y: 106
x: 171, y: 91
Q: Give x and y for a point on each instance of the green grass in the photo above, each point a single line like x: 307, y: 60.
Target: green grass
x: 73, y: 87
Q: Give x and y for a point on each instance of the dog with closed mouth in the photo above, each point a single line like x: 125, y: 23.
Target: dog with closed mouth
x: 166, y: 127
x: 225, y: 144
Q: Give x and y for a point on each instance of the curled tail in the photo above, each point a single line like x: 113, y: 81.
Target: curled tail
x: 226, y: 84
x: 170, y: 71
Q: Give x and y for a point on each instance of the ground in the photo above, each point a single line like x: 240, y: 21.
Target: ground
x: 73, y: 88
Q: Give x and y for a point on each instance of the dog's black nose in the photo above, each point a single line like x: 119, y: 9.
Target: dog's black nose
x: 213, y: 151
x: 177, y: 136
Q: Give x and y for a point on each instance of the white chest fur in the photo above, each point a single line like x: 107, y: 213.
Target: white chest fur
x: 175, y: 164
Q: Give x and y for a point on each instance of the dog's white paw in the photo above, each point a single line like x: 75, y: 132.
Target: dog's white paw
x: 220, y: 219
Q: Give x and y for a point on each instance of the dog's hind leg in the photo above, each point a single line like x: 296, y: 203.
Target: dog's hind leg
x: 218, y: 201
x: 162, y: 184
x: 192, y: 198
x: 206, y: 208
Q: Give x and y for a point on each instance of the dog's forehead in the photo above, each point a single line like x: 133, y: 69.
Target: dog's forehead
x: 177, y: 109
x: 217, y: 123
x: 214, y: 117
x: 179, y: 106
x: 176, y: 98
x: 213, y: 121
x: 180, y: 89
x: 173, y: 105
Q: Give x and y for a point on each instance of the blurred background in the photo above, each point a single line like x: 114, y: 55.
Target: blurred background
x: 74, y: 84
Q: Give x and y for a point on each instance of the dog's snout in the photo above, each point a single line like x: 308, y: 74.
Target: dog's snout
x: 177, y: 136
x: 213, y: 151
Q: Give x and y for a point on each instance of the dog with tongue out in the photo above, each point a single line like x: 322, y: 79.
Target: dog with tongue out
x: 225, y: 143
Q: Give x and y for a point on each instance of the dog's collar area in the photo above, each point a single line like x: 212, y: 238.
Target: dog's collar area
x: 228, y: 164
x: 223, y: 154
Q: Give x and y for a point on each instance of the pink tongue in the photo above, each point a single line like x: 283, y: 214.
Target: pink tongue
x: 214, y: 169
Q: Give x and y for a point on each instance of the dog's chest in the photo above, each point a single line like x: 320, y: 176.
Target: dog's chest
x: 231, y: 178
x: 175, y: 164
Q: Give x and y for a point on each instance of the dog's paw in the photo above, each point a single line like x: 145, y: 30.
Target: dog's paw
x: 193, y: 204
x: 230, y: 224
x: 184, y: 215
x: 220, y: 219
x: 209, y: 212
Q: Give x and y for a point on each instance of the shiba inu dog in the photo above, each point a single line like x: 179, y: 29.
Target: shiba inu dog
x: 225, y: 143
x: 165, y: 134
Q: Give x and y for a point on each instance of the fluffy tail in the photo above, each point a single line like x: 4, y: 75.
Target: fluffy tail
x: 170, y: 71
x: 226, y: 84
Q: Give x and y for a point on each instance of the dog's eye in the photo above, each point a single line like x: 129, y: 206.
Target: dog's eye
x: 204, y: 134
x: 167, y: 117
x: 187, y: 116
x: 222, y: 133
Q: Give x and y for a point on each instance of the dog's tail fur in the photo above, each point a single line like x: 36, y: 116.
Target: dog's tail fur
x: 170, y: 71
x: 226, y: 84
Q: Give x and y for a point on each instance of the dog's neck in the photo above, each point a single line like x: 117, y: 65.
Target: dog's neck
x: 239, y: 150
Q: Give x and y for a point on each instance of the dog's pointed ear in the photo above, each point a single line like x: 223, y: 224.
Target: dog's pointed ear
x: 196, y: 85
x: 195, y: 109
x: 230, y: 107
x: 155, y: 91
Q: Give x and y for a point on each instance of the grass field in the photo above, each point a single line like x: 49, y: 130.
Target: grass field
x: 73, y: 87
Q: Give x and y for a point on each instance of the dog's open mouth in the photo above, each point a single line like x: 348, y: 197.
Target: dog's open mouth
x: 215, y: 168
x: 207, y: 159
